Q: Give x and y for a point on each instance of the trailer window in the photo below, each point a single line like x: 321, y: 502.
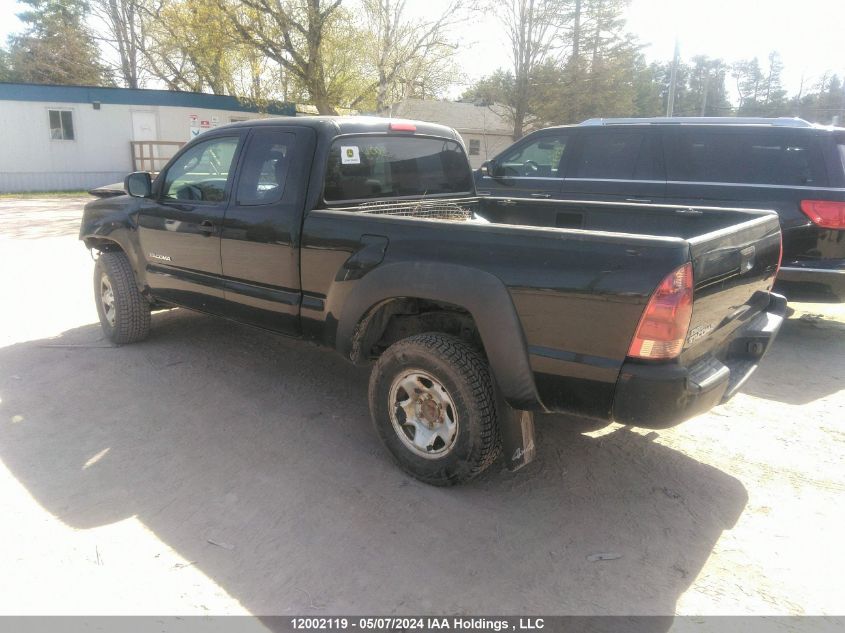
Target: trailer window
x: 362, y: 167
x: 61, y: 125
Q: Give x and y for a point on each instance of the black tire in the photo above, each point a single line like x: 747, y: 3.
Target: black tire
x: 130, y: 312
x: 465, y: 376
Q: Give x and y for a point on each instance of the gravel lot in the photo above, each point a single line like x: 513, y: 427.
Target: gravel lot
x: 217, y: 469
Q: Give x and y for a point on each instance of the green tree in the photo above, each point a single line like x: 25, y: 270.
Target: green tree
x: 292, y: 33
x: 774, y: 95
x: 824, y: 104
x: 703, y: 91
x: 190, y: 46
x: 603, y: 72
x: 5, y: 66
x: 760, y: 89
x: 56, y: 47
x: 573, y: 59
x: 495, y: 88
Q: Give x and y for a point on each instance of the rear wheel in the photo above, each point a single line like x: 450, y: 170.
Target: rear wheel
x: 434, y: 408
x: 124, y: 312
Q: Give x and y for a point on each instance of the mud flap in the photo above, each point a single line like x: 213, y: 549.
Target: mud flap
x: 517, y: 429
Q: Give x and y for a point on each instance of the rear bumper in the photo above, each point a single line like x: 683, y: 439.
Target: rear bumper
x: 812, y: 282
x: 658, y: 396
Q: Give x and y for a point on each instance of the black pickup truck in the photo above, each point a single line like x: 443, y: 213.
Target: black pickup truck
x: 366, y: 236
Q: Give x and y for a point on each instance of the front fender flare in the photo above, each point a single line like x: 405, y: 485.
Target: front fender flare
x: 483, y: 295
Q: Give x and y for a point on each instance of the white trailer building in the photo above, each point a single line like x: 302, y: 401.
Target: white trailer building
x: 78, y: 137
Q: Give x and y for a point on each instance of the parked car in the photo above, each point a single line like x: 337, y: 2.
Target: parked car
x: 366, y: 236
x: 784, y: 164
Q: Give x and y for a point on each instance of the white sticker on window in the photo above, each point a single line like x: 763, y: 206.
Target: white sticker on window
x: 349, y: 155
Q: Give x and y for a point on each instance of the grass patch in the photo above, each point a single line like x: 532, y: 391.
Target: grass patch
x: 75, y: 193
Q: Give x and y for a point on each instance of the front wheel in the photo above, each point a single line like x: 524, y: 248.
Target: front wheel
x: 433, y: 405
x: 124, y: 312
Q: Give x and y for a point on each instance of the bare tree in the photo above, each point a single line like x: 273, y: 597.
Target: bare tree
x: 124, y: 27
x: 532, y: 28
x: 408, y: 52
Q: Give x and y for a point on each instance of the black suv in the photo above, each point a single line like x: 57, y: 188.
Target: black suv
x: 785, y: 164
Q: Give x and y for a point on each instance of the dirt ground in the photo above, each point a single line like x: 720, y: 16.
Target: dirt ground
x: 217, y: 469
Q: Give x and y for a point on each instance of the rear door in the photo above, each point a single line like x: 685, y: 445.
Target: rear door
x: 530, y: 168
x: 616, y: 163
x: 260, y: 236
x: 763, y: 167
x: 179, y: 228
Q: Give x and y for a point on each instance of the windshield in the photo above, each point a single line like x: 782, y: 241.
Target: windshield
x: 362, y: 167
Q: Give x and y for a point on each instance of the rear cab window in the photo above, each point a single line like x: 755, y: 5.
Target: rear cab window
x: 362, y: 167
x: 765, y: 157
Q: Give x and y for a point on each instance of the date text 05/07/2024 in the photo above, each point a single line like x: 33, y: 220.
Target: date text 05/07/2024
x: 417, y: 624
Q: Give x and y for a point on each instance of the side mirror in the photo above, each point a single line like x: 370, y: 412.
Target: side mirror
x: 139, y: 184
x: 491, y: 168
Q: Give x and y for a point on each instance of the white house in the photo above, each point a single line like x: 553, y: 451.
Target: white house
x: 485, y: 128
x: 76, y: 137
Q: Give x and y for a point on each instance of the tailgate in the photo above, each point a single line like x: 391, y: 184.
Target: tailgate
x: 733, y: 268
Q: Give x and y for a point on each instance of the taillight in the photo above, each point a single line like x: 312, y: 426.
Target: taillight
x: 665, y: 321
x: 825, y: 213
x: 401, y: 126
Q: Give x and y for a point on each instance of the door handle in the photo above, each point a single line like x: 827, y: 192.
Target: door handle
x: 206, y: 227
x: 507, y: 202
x: 541, y: 195
x: 641, y: 200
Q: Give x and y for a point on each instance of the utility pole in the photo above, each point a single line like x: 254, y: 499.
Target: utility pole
x: 673, y: 80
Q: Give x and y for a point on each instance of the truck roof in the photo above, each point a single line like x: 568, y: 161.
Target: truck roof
x: 336, y: 125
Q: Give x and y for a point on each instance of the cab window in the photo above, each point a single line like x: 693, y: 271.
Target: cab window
x: 201, y: 173
x: 538, y: 158
x: 265, y: 168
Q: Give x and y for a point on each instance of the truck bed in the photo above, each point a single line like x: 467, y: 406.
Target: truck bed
x: 608, y: 217
x: 578, y: 292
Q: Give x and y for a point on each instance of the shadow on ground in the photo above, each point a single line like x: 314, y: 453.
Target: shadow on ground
x: 806, y: 362
x: 216, y: 432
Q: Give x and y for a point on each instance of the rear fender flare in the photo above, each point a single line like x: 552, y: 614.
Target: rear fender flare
x: 483, y: 295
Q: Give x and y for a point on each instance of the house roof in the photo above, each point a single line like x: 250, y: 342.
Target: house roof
x: 130, y: 96
x: 464, y: 117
